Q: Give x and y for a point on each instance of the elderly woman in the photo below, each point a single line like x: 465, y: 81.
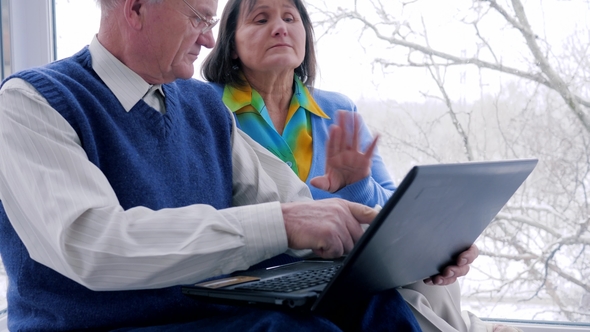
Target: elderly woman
x: 262, y: 69
x: 264, y: 66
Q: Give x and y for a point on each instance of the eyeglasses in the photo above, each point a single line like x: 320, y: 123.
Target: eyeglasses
x: 200, y: 22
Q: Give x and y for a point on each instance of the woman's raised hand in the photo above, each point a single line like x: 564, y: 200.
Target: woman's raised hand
x: 345, y: 163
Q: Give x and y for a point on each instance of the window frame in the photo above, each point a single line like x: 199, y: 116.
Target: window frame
x: 32, y: 42
x: 31, y: 34
x: 5, y: 29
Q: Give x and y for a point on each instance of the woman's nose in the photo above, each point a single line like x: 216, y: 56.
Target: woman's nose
x: 279, y: 28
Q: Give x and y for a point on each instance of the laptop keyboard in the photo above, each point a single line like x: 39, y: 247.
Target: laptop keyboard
x: 293, y: 282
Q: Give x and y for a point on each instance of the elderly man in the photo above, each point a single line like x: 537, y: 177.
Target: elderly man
x: 117, y: 186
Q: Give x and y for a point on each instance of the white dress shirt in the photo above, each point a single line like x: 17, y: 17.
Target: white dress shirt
x: 68, y: 216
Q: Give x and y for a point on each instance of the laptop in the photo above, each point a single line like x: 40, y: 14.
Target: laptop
x: 437, y: 212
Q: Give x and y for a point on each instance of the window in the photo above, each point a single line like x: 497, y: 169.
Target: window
x: 4, y: 70
x: 5, y: 39
x: 74, y: 30
x: 477, y: 80
x: 483, y: 80
x: 26, y: 41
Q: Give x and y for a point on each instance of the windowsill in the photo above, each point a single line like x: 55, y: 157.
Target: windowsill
x: 526, y: 326
x: 537, y: 326
x: 3, y: 321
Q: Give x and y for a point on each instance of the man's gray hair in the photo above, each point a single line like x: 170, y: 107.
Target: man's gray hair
x: 107, y: 5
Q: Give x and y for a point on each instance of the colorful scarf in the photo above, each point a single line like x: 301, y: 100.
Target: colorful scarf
x: 294, y: 146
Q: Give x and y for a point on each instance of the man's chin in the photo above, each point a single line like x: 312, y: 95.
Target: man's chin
x: 185, y: 73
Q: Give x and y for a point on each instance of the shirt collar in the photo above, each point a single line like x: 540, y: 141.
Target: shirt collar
x: 237, y: 98
x: 127, y: 86
x: 306, y: 100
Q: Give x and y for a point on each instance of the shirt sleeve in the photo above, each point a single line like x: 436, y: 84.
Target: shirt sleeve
x: 69, y: 218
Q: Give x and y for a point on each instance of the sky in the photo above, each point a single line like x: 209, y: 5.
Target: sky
x: 345, y: 65
x: 339, y: 58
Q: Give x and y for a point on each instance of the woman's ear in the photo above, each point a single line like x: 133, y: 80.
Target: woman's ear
x: 234, y: 54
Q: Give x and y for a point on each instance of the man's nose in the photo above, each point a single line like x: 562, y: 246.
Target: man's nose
x: 206, y: 39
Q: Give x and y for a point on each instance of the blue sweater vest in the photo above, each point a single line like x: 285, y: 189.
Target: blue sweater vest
x: 153, y: 160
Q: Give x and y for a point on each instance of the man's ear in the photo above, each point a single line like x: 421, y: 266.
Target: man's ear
x: 134, y: 13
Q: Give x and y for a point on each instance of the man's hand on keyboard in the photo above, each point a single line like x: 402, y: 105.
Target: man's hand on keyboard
x: 329, y: 227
